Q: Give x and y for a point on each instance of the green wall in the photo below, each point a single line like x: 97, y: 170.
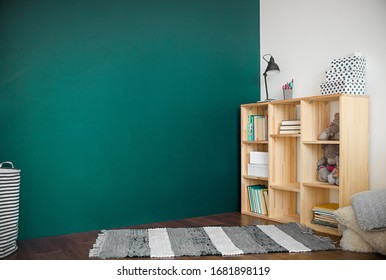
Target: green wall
x: 124, y: 112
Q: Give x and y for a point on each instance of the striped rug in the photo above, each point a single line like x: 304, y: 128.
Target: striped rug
x: 201, y: 241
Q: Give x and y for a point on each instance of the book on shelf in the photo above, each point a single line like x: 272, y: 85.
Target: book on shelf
x: 290, y: 127
x: 290, y: 122
x: 327, y: 207
x: 324, y: 214
x: 292, y: 131
x: 330, y: 219
x: 257, y: 128
x: 250, y: 128
x: 265, y: 197
x: 257, y: 199
x: 260, y: 123
x: 324, y: 223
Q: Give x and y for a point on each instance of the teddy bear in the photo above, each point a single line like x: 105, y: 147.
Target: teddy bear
x: 333, y: 177
x: 328, y: 163
x: 332, y: 131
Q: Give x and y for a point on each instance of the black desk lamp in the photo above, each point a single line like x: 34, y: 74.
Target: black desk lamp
x: 272, y: 68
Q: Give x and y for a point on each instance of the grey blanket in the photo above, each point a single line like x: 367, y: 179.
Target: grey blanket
x: 370, y: 209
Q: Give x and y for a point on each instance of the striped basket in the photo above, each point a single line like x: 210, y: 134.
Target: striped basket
x: 9, y: 208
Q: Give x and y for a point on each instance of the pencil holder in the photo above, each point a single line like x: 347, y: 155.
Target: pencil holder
x: 287, y: 94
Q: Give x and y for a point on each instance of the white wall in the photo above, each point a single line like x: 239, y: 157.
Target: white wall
x: 305, y: 35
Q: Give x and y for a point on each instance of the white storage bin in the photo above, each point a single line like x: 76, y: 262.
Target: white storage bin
x: 347, y: 75
x: 333, y: 75
x: 259, y: 170
x: 258, y: 157
x: 9, y: 208
x: 349, y: 63
x: 345, y: 86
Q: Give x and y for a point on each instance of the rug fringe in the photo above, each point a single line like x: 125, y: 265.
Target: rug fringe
x: 327, y: 239
x: 307, y: 230
x: 96, y: 249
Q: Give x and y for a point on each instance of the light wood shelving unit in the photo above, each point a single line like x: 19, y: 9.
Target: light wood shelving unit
x: 292, y: 174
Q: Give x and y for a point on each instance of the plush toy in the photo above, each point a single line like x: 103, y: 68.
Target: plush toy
x: 333, y: 177
x: 327, y: 164
x: 331, y: 132
x: 323, y: 170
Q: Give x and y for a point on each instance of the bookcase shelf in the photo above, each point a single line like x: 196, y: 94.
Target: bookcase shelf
x: 293, y: 188
x: 321, y: 142
x: 285, y: 135
x: 287, y: 218
x: 322, y: 185
x: 256, y: 215
x: 255, y: 178
x: 254, y: 142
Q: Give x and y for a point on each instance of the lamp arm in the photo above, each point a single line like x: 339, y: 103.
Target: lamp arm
x: 265, y: 81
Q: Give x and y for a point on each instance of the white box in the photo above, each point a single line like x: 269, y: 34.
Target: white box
x: 259, y: 170
x: 349, y: 63
x: 333, y: 75
x: 258, y: 157
x: 344, y: 86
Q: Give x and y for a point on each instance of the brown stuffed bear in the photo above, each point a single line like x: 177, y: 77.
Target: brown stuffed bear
x: 331, y: 132
x: 328, y: 163
x: 333, y: 177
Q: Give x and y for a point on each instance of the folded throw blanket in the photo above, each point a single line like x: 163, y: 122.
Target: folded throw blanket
x: 370, y: 209
x: 351, y: 241
x: 376, y: 239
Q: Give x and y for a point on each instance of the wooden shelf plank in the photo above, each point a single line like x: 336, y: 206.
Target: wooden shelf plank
x: 255, y: 215
x: 291, y: 187
x: 254, y: 142
x: 292, y: 101
x: 253, y: 105
x: 255, y: 178
x: 322, y: 185
x: 287, y: 218
x: 284, y: 135
x: 319, y: 142
x: 331, y: 97
x: 323, y: 98
x: 324, y: 229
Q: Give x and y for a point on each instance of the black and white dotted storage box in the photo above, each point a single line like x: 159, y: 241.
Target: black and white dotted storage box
x: 347, y: 75
x: 348, y: 86
x: 9, y: 208
x: 349, y: 63
x: 333, y: 75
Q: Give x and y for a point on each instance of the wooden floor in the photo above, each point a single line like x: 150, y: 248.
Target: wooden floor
x: 77, y: 246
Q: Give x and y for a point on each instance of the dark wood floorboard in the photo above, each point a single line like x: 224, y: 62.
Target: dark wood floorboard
x: 77, y: 246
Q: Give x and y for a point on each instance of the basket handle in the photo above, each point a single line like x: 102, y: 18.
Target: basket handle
x: 6, y: 162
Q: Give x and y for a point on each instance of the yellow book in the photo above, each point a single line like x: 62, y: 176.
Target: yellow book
x: 326, y: 207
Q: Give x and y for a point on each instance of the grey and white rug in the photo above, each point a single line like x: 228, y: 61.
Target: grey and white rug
x: 201, y: 241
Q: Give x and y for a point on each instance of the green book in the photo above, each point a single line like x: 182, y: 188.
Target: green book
x: 258, y: 198
x: 250, y: 126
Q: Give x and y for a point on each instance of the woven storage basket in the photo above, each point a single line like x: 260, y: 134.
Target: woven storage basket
x: 9, y: 208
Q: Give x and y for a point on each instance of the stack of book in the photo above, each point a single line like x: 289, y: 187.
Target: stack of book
x: 257, y: 128
x: 290, y: 127
x: 324, y: 214
x: 258, y: 199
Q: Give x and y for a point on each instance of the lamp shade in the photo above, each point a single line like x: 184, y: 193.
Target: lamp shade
x: 272, y: 67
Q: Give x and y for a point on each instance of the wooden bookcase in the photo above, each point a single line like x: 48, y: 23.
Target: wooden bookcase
x: 292, y: 175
